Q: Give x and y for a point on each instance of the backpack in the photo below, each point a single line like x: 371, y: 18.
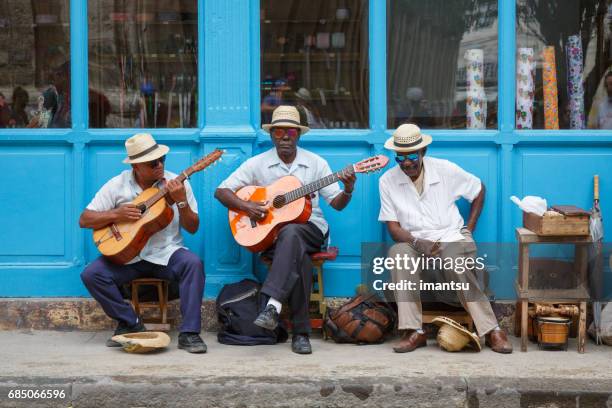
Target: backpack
x: 363, y: 320
x: 238, y: 305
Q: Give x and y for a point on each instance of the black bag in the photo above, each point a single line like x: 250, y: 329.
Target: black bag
x: 364, y: 319
x: 238, y: 305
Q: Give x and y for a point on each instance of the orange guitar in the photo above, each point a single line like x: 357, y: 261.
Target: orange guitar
x: 121, y: 242
x: 289, y: 202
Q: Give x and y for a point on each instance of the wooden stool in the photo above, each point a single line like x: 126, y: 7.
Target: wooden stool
x: 162, y: 302
x: 317, y: 293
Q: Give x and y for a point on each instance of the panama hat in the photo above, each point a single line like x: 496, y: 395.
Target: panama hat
x: 286, y: 116
x: 407, y: 138
x: 454, y: 337
x: 142, y: 148
x: 142, y: 342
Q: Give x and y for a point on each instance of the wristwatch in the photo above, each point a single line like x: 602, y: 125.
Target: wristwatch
x: 181, y: 204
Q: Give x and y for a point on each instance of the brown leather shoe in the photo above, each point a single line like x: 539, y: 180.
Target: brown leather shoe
x: 498, y: 341
x: 410, y: 341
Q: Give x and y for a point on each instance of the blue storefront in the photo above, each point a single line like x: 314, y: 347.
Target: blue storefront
x: 49, y: 175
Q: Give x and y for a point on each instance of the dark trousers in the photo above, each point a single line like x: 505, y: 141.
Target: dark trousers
x: 290, y: 275
x: 103, y: 279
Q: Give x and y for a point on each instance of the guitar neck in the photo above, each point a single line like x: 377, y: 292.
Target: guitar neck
x: 316, y: 185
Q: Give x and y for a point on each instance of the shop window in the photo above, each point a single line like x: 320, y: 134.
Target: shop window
x: 442, y: 63
x: 34, y: 64
x: 563, y: 60
x: 143, y: 63
x: 314, y: 55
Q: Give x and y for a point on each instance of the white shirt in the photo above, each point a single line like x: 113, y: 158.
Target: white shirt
x: 432, y: 215
x: 122, y: 189
x: 604, y: 116
x: 267, y: 167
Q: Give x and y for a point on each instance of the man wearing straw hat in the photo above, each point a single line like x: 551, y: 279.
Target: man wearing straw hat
x: 290, y: 275
x: 418, y: 206
x: 163, y: 257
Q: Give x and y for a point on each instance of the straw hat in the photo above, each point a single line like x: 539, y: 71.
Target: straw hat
x: 454, y: 337
x: 286, y: 116
x: 142, y: 342
x: 407, y: 138
x: 143, y: 148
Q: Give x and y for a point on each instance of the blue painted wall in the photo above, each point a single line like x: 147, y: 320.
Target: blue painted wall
x: 48, y: 176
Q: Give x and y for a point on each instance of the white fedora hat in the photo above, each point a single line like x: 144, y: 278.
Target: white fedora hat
x: 407, y: 138
x: 143, y: 148
x: 286, y: 116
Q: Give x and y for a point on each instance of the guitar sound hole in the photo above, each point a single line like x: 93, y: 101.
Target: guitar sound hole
x: 142, y: 208
x: 279, y: 201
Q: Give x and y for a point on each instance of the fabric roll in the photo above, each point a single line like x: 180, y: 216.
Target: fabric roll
x: 476, y: 98
x: 525, y: 67
x: 551, y: 97
x: 575, y: 90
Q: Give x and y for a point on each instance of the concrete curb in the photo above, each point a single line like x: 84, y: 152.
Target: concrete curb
x: 472, y: 392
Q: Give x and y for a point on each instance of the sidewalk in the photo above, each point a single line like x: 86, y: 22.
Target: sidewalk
x: 93, y: 375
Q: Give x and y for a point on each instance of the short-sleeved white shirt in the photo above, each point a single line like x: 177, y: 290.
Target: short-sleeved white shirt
x: 432, y: 215
x: 122, y: 189
x: 267, y: 167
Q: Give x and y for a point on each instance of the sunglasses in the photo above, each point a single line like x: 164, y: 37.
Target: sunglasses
x: 153, y: 163
x: 400, y: 158
x: 281, y: 132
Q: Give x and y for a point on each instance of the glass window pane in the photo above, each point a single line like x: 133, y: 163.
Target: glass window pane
x: 34, y: 64
x: 442, y: 63
x: 315, y: 55
x: 563, y: 56
x: 143, y: 63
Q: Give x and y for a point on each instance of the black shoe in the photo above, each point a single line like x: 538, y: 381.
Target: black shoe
x: 191, y: 342
x: 123, y: 328
x: 268, y: 319
x: 300, y: 344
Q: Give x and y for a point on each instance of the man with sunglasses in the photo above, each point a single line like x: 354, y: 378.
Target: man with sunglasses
x: 417, y: 200
x: 290, y: 275
x: 163, y: 257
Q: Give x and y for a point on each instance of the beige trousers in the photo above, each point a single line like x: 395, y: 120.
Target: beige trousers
x: 410, y: 312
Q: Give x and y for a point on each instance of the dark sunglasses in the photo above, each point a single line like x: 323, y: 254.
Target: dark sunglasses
x: 153, y: 163
x: 400, y: 158
x: 281, y: 132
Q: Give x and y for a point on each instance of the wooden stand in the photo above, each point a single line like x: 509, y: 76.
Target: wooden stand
x: 161, y: 304
x: 579, y: 295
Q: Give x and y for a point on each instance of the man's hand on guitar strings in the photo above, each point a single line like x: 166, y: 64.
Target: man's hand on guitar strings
x: 348, y: 179
x: 176, y: 190
x: 127, y: 213
x: 256, y: 210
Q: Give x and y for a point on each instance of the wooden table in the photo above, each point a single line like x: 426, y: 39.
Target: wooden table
x: 579, y: 295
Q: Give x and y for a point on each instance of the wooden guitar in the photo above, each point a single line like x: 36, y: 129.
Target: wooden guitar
x: 289, y: 202
x: 121, y: 242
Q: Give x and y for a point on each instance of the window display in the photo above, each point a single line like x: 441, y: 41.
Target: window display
x: 570, y: 43
x: 143, y: 63
x: 442, y: 63
x: 35, y: 64
x: 315, y: 56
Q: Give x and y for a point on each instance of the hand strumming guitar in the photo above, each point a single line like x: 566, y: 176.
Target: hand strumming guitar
x: 256, y: 210
x: 127, y: 213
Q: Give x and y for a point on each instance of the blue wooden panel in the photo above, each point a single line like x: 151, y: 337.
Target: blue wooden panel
x: 35, y: 201
x: 563, y: 175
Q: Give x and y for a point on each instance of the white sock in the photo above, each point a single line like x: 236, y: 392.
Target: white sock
x: 277, y: 305
x: 420, y: 331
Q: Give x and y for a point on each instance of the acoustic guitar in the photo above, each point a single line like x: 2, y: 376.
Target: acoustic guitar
x: 121, y: 242
x: 289, y: 202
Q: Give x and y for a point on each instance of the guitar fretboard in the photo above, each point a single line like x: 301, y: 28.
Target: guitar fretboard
x: 164, y: 190
x: 314, y: 186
